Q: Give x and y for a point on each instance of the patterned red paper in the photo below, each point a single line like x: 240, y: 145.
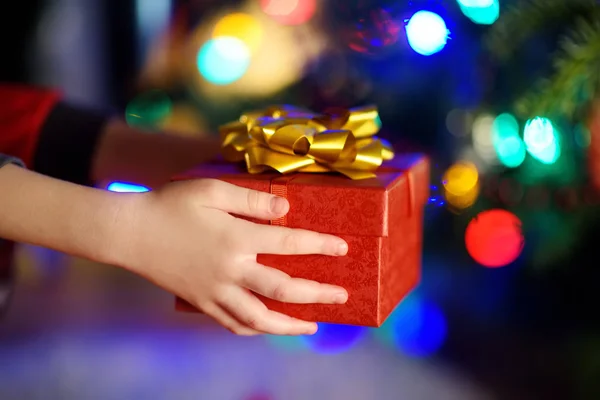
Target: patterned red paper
x: 380, y: 218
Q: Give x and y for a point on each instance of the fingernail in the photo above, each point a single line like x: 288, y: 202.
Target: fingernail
x: 312, y: 330
x: 279, y: 205
x: 340, y: 298
x: 342, y: 249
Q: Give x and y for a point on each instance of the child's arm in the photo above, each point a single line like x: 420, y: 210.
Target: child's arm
x: 181, y: 237
x: 81, y: 146
x: 74, y: 219
x: 151, y: 159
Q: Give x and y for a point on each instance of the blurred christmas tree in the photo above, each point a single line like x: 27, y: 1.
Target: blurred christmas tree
x: 562, y: 94
x: 575, y: 81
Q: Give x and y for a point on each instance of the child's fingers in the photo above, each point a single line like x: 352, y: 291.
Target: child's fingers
x: 251, y: 312
x: 268, y: 239
x: 225, y: 319
x: 278, y: 285
x: 241, y: 201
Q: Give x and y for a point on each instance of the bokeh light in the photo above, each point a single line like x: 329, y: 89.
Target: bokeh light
x: 333, y: 338
x: 494, y: 238
x: 505, y: 126
x: 483, y: 12
x: 461, y: 185
x: 240, y: 26
x: 476, y: 3
x: 230, y: 70
x: 427, y: 33
x: 223, y: 60
x: 417, y: 328
x: 289, y: 12
x: 541, y: 140
x: 507, y: 142
x: 483, y: 141
x: 436, y: 199
x: 374, y: 32
x: 123, y: 187
x: 511, y: 152
x: 582, y: 135
x: 148, y: 109
x: 459, y: 122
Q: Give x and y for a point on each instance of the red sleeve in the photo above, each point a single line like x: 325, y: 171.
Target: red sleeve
x: 23, y: 112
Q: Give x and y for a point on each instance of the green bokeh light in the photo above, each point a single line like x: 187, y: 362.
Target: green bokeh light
x: 582, y: 135
x: 509, y: 147
x: 505, y: 126
x: 511, y: 152
x: 483, y: 12
x: 148, y: 109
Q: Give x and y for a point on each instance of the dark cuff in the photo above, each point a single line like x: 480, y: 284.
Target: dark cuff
x: 5, y: 160
x: 67, y: 143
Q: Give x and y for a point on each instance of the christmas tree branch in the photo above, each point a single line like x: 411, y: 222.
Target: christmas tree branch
x: 576, y: 79
x: 521, y: 21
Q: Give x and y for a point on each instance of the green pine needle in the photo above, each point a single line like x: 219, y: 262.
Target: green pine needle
x: 576, y: 78
x: 575, y: 81
x: 520, y: 21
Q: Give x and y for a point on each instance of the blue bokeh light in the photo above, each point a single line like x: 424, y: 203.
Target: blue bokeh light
x: 332, y: 339
x: 436, y: 198
x: 223, y: 60
x: 417, y: 328
x: 122, y: 187
x: 427, y: 33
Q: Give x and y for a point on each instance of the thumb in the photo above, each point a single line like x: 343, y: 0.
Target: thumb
x: 241, y: 201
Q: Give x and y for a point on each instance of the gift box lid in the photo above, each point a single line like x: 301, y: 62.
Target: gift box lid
x: 331, y: 203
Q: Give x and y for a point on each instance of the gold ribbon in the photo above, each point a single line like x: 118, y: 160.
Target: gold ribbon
x: 289, y: 139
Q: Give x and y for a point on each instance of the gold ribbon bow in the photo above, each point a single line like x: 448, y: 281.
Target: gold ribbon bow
x: 288, y: 139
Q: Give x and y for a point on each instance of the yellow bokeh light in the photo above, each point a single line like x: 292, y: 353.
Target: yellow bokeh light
x: 280, y: 59
x: 461, y: 178
x: 241, y: 26
x: 461, y: 184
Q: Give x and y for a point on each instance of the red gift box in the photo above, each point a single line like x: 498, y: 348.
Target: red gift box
x: 380, y: 218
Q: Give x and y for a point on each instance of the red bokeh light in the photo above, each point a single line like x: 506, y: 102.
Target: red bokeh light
x: 494, y: 238
x: 289, y: 12
x: 374, y: 32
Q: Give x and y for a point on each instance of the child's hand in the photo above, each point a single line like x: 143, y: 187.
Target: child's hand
x: 184, y: 239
